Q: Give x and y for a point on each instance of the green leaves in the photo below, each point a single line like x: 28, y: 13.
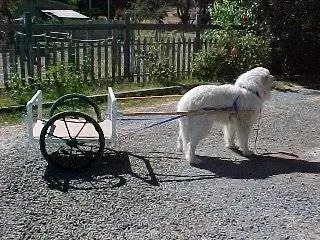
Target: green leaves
x: 140, y: 10
x: 160, y: 69
x: 62, y: 79
x: 57, y: 80
x: 231, y: 13
x: 236, y: 47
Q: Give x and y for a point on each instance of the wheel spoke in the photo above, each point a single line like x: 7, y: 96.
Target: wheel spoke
x: 52, y: 135
x: 70, y: 160
x: 65, y: 123
x: 81, y: 128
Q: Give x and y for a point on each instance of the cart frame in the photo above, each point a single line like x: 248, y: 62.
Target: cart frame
x: 73, y: 134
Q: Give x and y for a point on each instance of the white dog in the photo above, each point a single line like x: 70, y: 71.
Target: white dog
x: 236, y: 107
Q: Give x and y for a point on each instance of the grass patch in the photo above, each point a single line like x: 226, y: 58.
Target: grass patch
x: 6, y: 99
x: 17, y: 117
x: 146, y: 103
x: 14, y: 118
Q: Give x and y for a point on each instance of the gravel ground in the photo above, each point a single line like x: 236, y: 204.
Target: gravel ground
x: 146, y: 190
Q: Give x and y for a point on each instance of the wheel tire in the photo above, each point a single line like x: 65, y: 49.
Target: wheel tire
x: 62, y: 100
x: 71, y: 152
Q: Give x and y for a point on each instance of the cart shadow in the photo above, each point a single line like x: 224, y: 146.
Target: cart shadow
x: 101, y: 174
x: 256, y: 167
x: 107, y: 173
x: 151, y: 176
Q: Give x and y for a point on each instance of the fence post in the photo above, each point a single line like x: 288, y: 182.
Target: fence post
x: 27, y: 25
x: 127, y: 48
x: 197, y: 40
x: 3, y: 49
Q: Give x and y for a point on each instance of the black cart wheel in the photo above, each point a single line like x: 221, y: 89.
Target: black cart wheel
x: 74, y: 102
x: 71, y: 140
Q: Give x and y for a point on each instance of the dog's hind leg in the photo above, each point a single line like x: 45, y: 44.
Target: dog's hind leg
x: 190, y: 152
x: 198, y: 128
x: 185, y: 142
x: 229, y: 135
x: 243, y: 130
x: 180, y: 144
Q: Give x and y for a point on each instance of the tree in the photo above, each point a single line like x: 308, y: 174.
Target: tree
x: 140, y: 10
x: 7, y: 8
x: 294, y: 26
x: 185, y: 8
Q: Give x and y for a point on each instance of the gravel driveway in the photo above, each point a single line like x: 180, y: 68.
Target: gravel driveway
x: 146, y: 190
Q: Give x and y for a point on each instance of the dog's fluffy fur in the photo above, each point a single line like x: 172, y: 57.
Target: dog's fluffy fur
x: 248, y: 94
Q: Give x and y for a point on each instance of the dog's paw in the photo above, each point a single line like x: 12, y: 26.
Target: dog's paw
x: 232, y: 146
x: 190, y: 158
x: 247, y: 153
x: 194, y: 161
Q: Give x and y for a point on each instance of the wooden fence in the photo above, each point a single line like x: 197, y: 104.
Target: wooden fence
x: 32, y: 49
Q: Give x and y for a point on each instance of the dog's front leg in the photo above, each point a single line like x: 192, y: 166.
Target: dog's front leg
x: 243, y: 130
x: 180, y: 147
x: 190, y: 152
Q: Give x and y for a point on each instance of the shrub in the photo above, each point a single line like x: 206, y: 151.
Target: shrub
x: 160, y: 69
x: 19, y: 89
x: 58, y: 80
x: 228, y: 13
x: 294, y: 26
x: 231, y: 55
x: 236, y: 47
x: 61, y: 79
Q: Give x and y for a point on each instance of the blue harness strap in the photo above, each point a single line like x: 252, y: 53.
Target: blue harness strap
x: 153, y: 125
x: 234, y: 107
x: 162, y: 122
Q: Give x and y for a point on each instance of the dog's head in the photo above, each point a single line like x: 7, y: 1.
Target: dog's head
x: 257, y: 80
x: 268, y: 83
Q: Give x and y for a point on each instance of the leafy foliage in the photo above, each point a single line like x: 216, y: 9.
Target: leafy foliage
x: 236, y: 47
x: 7, y: 8
x: 230, y: 13
x: 140, y: 10
x: 58, y: 80
x: 19, y: 89
x: 160, y: 69
x: 62, y: 79
x: 294, y: 27
x: 231, y: 54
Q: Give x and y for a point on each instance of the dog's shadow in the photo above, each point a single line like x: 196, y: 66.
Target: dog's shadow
x: 256, y: 167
